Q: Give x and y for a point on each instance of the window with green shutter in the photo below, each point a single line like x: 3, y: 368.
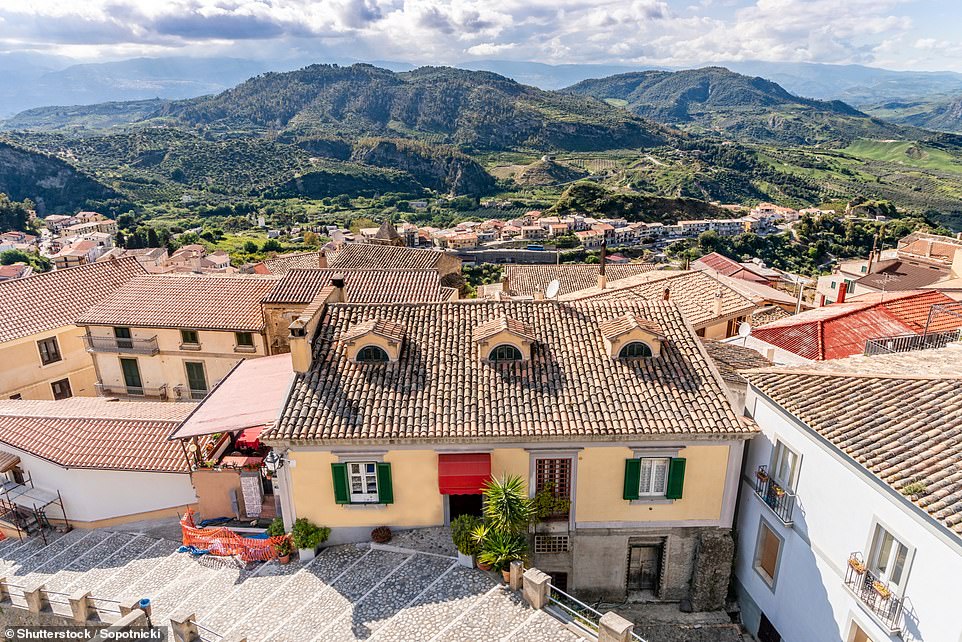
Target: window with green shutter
x: 676, y: 478
x: 385, y: 485
x: 653, y: 477
x: 341, y: 492
x: 362, y: 482
x: 632, y: 478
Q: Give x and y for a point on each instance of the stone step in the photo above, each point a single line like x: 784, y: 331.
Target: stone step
x: 143, y: 569
x: 93, y: 557
x: 32, y: 547
x: 387, y: 598
x: 197, y: 594
x: 452, y: 594
x: 248, y: 595
x: 174, y: 582
x: 54, y: 557
x: 309, y: 581
x: 541, y: 626
x: 491, y: 619
x: 95, y: 577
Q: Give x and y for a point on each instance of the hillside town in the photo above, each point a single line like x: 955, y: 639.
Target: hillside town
x: 346, y: 443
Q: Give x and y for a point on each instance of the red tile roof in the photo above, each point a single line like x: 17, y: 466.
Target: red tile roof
x: 841, y: 330
x: 729, y: 267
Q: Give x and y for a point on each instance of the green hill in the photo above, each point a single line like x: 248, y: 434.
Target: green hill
x: 716, y: 100
x: 944, y: 116
x: 83, y: 117
x: 472, y: 110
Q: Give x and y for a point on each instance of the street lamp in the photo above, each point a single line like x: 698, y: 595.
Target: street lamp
x: 273, y: 462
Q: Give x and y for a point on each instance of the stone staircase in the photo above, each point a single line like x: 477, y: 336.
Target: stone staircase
x: 350, y: 592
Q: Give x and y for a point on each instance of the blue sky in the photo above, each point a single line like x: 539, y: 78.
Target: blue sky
x: 897, y: 34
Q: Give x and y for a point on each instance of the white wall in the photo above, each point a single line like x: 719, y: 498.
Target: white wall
x: 835, y: 514
x: 91, y: 495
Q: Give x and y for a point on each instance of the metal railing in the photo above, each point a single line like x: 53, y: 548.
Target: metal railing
x: 207, y: 635
x: 188, y: 394
x: 582, y: 614
x: 874, y: 593
x: 132, y: 392
x: 911, y: 342
x: 114, y: 344
x: 780, y: 500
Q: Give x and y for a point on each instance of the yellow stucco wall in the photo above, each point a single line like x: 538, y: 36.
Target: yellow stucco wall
x: 22, y: 372
x: 601, y: 480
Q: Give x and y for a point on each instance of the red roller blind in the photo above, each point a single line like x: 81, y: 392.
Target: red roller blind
x: 463, y: 473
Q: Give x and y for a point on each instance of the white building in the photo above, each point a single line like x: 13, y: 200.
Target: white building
x: 852, y: 530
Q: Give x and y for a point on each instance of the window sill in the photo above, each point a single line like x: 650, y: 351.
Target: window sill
x: 248, y: 349
x: 366, y: 506
x: 190, y: 346
x: 648, y: 501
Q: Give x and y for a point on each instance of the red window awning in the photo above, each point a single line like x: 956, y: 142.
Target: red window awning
x: 463, y: 473
x: 250, y: 438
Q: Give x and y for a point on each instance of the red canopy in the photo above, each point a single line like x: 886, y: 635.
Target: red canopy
x: 463, y: 473
x: 250, y: 438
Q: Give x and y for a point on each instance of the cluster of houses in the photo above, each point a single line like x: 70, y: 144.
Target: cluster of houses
x: 699, y: 429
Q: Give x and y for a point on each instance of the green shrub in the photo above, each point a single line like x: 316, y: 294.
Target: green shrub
x: 306, y: 534
x: 462, y: 533
x: 502, y: 548
x: 276, y: 528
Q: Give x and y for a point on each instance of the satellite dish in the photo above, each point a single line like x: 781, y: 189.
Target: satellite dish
x: 744, y: 329
x: 553, y: 288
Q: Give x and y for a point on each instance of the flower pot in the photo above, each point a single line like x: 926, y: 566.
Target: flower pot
x: 506, y: 574
x: 284, y: 559
x: 465, y: 560
x: 483, y: 566
x: 306, y: 554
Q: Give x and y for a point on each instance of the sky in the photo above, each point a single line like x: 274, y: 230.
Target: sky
x: 895, y: 34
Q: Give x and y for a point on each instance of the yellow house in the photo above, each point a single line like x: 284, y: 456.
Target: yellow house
x: 398, y: 413
x: 173, y: 336
x: 42, y: 351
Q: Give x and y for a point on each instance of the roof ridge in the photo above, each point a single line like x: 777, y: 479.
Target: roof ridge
x: 852, y: 374
x: 87, y: 266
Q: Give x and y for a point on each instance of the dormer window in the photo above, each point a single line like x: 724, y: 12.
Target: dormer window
x: 505, y: 352
x: 504, y: 340
x: 371, y: 353
x: 632, y: 336
x: 373, y: 341
x: 635, y: 350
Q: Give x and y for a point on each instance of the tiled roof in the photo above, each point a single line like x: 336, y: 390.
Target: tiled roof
x: 729, y: 358
x: 206, y: 302
x: 618, y: 326
x: 441, y: 390
x: 899, y: 416
x: 768, y: 314
x: 369, y: 256
x: 493, y: 327
x: 902, y: 275
x: 286, y: 262
x: 388, y: 329
x: 55, y: 299
x: 96, y: 433
x: 936, y: 248
x: 759, y: 293
x: 718, y: 263
x: 525, y: 280
x: 841, y: 329
x: 696, y: 294
x: 362, y: 286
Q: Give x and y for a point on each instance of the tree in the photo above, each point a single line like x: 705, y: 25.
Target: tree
x: 272, y: 245
x: 312, y: 239
x: 250, y: 247
x: 119, y: 239
x: 37, y: 262
x: 14, y: 214
x: 152, y: 239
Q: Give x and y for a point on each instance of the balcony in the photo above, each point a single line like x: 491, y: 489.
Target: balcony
x: 780, y: 500
x: 131, y: 392
x: 187, y: 394
x: 874, y: 594
x: 128, y: 346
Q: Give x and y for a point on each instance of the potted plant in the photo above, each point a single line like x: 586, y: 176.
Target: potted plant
x: 500, y: 549
x: 762, y: 474
x: 307, y: 536
x: 276, y: 527
x: 462, y: 534
x: 882, y: 590
x: 856, y: 565
x: 547, y: 506
x: 479, y: 536
x: 507, y: 507
x: 284, y: 548
x: 381, y: 535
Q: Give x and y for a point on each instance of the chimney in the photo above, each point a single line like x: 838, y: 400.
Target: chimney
x: 821, y: 300
x: 928, y: 249
x: 602, y: 277
x: 842, y: 287
x: 304, y: 327
x: 871, y: 256
x: 666, y: 295
x: 538, y: 295
x: 340, y: 293
x: 718, y: 302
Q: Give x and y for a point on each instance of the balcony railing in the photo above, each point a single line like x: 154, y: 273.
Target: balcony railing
x: 874, y: 593
x: 187, y: 394
x: 584, y: 616
x: 132, y: 392
x: 911, y: 342
x: 780, y: 500
x: 114, y: 344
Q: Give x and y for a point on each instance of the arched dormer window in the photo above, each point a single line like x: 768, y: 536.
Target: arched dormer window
x: 369, y: 354
x: 635, y: 350
x: 505, y: 352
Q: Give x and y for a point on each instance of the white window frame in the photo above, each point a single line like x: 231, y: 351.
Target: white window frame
x: 769, y: 580
x: 779, y: 453
x: 652, y: 492
x: 365, y: 477
x: 875, y: 550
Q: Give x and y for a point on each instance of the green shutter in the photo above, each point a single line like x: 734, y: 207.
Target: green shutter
x: 342, y: 494
x: 676, y: 478
x: 632, y: 478
x: 385, y: 487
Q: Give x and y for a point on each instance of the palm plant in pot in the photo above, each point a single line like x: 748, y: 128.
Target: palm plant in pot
x: 307, y: 536
x: 500, y: 549
x: 507, y: 513
x: 462, y: 533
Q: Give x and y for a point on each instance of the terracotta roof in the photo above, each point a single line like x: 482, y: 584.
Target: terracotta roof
x: 768, y: 314
x: 841, y: 329
x: 387, y: 232
x: 55, y: 299
x: 391, y: 331
x: 899, y: 416
x: 362, y: 286
x: 903, y: 275
x: 937, y: 248
x: 369, y: 256
x: 205, y: 302
x: 759, y: 293
x: 500, y: 324
x: 96, y: 433
x: 695, y: 293
x: 730, y: 358
x: 286, y: 262
x: 525, y: 280
x: 440, y: 390
x: 729, y: 267
x: 618, y: 326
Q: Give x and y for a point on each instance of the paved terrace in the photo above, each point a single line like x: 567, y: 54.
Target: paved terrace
x: 350, y: 592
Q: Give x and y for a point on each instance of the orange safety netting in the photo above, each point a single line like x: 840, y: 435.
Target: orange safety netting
x: 225, y: 542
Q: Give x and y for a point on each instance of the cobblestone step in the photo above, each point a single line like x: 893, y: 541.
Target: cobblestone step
x: 491, y: 619
x: 34, y: 567
x: 140, y: 571
x: 114, y: 565
x: 23, y: 553
x: 309, y: 581
x: 386, y: 599
x: 541, y: 626
x: 90, y: 558
x: 181, y: 578
x: 452, y: 594
x: 248, y: 595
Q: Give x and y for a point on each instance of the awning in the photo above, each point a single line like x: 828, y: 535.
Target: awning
x: 250, y: 438
x: 7, y: 461
x: 463, y: 473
